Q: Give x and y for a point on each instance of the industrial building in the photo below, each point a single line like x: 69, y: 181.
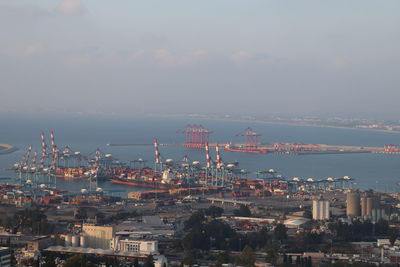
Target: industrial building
x: 369, y: 203
x: 320, y: 209
x: 98, y: 236
x: 142, y: 247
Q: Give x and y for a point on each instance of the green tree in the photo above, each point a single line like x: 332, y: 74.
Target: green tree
x: 243, y: 211
x: 136, y: 262
x: 195, y: 221
x: 393, y: 234
x: 214, y: 211
x: 74, y: 260
x: 149, y: 262
x: 196, y: 240
x: 81, y: 213
x: 272, y: 254
x: 219, y: 232
x: 280, y: 232
x: 189, y: 258
x: 257, y: 239
x: 223, y: 257
x: 247, y: 257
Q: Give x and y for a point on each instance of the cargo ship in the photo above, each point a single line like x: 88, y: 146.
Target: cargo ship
x: 151, y: 179
x: 71, y: 173
x: 230, y: 147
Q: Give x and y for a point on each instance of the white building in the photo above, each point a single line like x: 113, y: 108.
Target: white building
x: 320, y: 209
x: 142, y: 247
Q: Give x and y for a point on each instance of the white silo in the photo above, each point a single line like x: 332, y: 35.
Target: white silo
x: 68, y: 240
x: 320, y: 209
x: 83, y: 241
x: 75, y: 241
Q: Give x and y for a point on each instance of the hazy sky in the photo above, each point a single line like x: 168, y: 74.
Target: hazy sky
x: 225, y: 56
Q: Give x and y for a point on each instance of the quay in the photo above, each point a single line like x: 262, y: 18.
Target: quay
x: 288, y: 148
x: 235, y: 202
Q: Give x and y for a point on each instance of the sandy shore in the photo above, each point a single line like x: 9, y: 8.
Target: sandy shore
x: 6, y: 149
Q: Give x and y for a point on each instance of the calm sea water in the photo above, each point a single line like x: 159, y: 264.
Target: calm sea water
x: 86, y: 133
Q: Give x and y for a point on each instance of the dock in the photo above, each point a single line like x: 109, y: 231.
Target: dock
x: 286, y: 148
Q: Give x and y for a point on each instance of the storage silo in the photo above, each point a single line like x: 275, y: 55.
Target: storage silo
x: 68, y: 240
x: 75, y: 241
x: 353, y: 204
x: 364, y: 206
x: 83, y: 240
x: 320, y: 209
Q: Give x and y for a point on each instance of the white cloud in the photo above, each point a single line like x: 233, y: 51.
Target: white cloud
x: 70, y: 7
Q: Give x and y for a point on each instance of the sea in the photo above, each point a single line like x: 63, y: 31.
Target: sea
x: 86, y: 133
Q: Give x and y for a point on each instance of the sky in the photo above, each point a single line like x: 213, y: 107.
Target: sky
x: 186, y: 56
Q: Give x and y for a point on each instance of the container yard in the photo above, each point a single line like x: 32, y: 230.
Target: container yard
x: 169, y: 178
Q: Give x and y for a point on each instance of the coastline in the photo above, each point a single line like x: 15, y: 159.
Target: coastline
x: 272, y: 122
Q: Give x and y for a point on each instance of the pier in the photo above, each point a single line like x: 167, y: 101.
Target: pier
x: 288, y: 148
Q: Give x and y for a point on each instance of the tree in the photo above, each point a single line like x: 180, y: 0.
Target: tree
x: 280, y: 232
x: 196, y: 240
x: 195, y: 221
x: 81, y: 213
x: 49, y: 259
x: 149, y: 262
x: 219, y: 232
x: 393, y: 234
x: 243, y: 211
x: 214, y: 211
x: 74, y: 260
x: 272, y: 254
x: 189, y: 258
x: 223, y: 257
x: 257, y: 239
x: 382, y: 227
x: 136, y: 262
x: 247, y: 257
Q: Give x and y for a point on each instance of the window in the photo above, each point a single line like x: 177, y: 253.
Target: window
x: 133, y: 247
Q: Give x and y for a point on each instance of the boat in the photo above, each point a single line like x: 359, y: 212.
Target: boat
x: 150, y: 179
x: 70, y: 173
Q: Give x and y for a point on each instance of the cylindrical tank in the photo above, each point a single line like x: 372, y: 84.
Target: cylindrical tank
x: 374, y: 215
x: 370, y: 206
x: 68, y: 240
x: 364, y: 206
x: 83, y: 241
x: 75, y: 241
x: 381, y: 214
x: 353, y: 204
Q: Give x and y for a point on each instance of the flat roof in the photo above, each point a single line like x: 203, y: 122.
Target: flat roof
x: 96, y: 251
